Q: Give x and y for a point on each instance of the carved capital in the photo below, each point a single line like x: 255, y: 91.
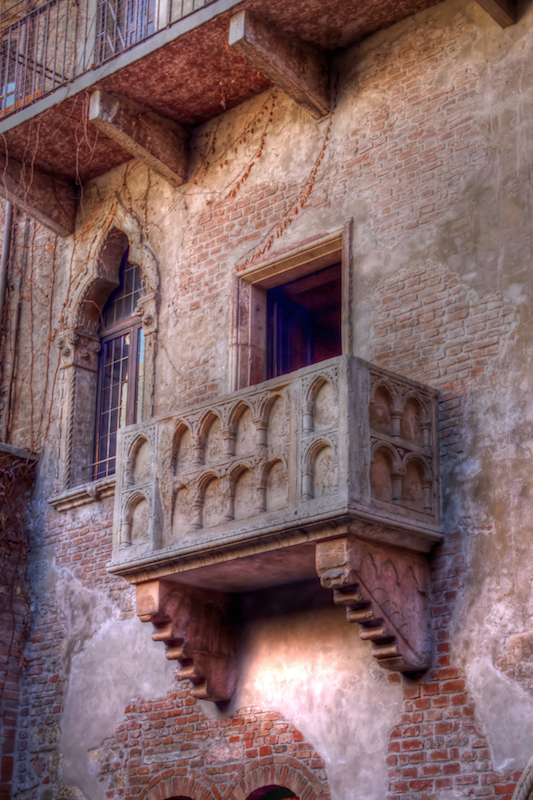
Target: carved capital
x: 147, y: 309
x: 384, y: 589
x: 196, y: 626
x: 79, y: 348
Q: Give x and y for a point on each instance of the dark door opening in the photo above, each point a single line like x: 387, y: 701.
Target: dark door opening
x: 271, y: 793
x: 304, y: 321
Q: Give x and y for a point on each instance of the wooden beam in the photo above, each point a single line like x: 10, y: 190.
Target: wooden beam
x: 502, y: 11
x: 158, y: 142
x: 45, y: 197
x: 291, y: 64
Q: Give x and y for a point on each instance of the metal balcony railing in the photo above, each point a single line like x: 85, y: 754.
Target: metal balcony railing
x: 45, y: 46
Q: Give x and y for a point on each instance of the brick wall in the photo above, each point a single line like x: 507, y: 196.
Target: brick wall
x: 408, y: 160
x: 84, y: 550
x: 171, y: 738
x: 410, y: 157
x: 438, y: 744
x: 15, y: 479
x: 432, y: 327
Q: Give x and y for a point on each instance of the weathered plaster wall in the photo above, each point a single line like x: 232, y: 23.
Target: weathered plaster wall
x: 430, y: 152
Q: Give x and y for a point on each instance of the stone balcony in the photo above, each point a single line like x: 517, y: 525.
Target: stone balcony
x: 332, y: 469
x: 340, y: 445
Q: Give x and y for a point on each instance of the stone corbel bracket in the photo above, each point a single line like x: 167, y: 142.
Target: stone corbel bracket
x: 197, y: 627
x: 385, y: 590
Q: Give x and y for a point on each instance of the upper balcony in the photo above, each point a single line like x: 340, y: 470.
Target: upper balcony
x: 166, y: 57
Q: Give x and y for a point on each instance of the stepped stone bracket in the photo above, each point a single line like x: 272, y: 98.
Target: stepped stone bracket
x: 384, y: 589
x: 293, y: 65
x: 197, y: 627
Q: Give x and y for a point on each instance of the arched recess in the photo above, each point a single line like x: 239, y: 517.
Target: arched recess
x: 380, y: 411
x: 271, y: 793
x: 136, y: 528
x: 291, y: 775
x: 322, y: 405
x: 97, y: 266
x: 176, y: 788
x: 383, y: 468
x: 413, y: 419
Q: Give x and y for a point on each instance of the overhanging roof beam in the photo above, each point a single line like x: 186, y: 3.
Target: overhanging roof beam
x: 158, y: 142
x: 296, y: 67
x: 502, y: 11
x: 45, y: 197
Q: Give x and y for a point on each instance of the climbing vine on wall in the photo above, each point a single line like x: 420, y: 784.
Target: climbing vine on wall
x: 16, y: 480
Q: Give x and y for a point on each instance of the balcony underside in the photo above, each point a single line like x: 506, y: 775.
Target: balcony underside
x: 189, y: 79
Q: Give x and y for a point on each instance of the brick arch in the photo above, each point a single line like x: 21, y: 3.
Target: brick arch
x: 165, y: 788
x: 290, y: 774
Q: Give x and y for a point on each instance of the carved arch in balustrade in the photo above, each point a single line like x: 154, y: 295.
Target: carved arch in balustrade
x: 181, y: 461
x: 417, y: 483
x: 234, y: 421
x: 320, y: 415
x: 320, y: 479
x: 139, y: 459
x: 272, y: 481
x: 412, y: 425
x: 243, y: 488
x: 266, y: 417
x: 209, y: 419
x: 385, y: 403
x: 136, y: 517
x: 385, y: 472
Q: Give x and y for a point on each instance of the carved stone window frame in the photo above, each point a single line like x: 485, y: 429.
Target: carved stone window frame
x: 80, y: 345
x: 248, y: 345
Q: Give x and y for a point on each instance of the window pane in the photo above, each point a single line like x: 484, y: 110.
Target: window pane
x: 122, y: 302
x: 140, y: 378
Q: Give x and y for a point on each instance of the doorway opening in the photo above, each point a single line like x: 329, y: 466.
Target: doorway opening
x: 304, y: 321
x: 271, y: 793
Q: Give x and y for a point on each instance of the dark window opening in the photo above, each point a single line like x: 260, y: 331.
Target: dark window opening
x: 271, y: 793
x: 304, y: 321
x: 120, y: 369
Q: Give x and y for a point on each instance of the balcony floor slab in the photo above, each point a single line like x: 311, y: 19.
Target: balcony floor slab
x: 186, y: 73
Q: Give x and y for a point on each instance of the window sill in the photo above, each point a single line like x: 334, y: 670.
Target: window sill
x: 83, y: 495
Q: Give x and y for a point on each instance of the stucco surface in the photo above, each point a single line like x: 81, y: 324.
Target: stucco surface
x: 464, y: 226
x: 104, y: 672
x: 315, y: 667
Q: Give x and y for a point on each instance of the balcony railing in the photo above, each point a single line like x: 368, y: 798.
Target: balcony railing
x: 45, y: 46
x: 338, y: 443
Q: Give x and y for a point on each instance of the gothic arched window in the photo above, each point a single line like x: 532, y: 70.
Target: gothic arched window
x: 120, y: 367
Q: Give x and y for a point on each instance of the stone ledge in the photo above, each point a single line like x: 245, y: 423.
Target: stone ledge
x: 9, y: 453
x: 83, y: 495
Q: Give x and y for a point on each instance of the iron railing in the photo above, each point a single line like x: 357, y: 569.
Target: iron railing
x: 45, y: 46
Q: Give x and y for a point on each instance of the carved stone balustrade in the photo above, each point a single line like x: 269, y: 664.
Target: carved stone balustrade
x: 331, y: 469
